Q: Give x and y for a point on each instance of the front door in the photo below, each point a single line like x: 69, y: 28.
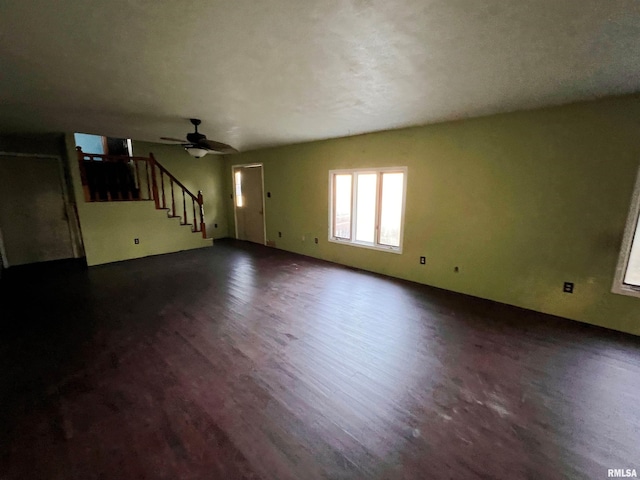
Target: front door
x: 249, y: 203
x: 33, y: 210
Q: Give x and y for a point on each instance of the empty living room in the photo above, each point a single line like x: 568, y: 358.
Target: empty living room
x: 319, y: 240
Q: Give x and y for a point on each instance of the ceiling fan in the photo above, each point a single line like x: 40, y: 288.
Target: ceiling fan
x: 197, y: 144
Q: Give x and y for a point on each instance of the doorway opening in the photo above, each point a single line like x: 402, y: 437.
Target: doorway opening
x: 248, y: 204
x: 37, y: 218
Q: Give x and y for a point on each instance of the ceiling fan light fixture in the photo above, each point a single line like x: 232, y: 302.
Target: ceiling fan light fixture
x: 197, y: 145
x: 196, y: 152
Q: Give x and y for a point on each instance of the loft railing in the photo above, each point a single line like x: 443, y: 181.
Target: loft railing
x: 109, y: 178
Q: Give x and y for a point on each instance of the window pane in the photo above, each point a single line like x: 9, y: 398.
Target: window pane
x: 238, y: 177
x: 632, y: 275
x: 342, y: 207
x: 366, y: 207
x: 89, y: 143
x: 391, y: 208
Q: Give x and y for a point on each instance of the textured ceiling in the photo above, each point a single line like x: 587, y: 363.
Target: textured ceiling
x: 286, y: 71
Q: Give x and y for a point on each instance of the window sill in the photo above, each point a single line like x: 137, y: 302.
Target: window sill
x: 624, y: 290
x: 369, y: 246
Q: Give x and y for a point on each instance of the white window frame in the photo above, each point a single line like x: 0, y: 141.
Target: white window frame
x: 354, y: 192
x: 627, y: 242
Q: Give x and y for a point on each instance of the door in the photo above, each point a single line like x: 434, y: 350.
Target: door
x: 249, y: 203
x: 33, y: 210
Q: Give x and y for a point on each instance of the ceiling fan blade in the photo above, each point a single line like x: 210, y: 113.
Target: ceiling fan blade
x: 169, y: 139
x: 217, y: 146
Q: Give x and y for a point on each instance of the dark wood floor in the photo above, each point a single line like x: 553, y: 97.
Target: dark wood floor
x: 241, y: 361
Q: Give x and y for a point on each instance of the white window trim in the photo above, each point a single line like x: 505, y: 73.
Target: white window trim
x: 619, y: 286
x: 352, y: 242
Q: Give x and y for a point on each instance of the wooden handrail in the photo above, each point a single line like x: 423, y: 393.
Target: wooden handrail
x: 175, y: 180
x: 146, y: 181
x: 109, y: 158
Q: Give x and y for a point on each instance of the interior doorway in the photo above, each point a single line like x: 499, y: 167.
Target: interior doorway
x: 248, y: 194
x: 34, y: 210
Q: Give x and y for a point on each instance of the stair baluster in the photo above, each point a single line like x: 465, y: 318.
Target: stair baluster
x: 173, y: 200
x: 146, y: 166
x: 164, y: 200
x: 195, y: 221
x: 154, y: 183
x: 184, y: 208
x: 138, y: 186
x: 201, y: 204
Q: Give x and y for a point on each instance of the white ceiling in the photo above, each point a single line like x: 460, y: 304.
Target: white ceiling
x: 263, y: 73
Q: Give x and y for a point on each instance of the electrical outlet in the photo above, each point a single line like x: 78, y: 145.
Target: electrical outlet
x: 568, y: 287
x: 315, y: 239
x: 423, y: 260
x: 279, y: 234
x: 136, y: 241
x: 215, y: 225
x: 268, y: 194
x: 456, y: 269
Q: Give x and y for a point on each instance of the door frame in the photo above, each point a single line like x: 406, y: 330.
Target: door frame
x: 3, y: 253
x: 73, y: 224
x: 233, y: 189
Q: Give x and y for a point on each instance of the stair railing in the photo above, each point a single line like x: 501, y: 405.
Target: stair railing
x: 108, y: 178
x: 160, y: 177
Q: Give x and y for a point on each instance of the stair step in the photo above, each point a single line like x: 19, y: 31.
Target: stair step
x: 190, y: 225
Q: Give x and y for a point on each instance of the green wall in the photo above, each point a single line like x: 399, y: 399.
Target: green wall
x: 42, y: 144
x: 520, y: 202
x: 109, y: 230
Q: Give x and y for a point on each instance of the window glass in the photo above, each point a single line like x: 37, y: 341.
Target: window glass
x: 632, y: 275
x: 366, y: 207
x: 238, y: 181
x: 342, y: 207
x: 90, y: 143
x: 391, y: 208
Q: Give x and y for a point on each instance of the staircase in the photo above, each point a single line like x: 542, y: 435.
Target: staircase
x: 115, y: 178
